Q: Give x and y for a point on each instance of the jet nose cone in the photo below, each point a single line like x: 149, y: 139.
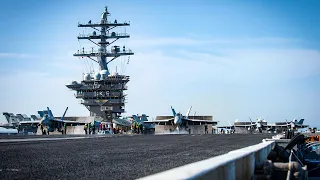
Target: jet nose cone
x: 259, y: 125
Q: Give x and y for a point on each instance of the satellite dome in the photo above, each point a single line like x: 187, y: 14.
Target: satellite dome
x: 97, y: 76
x: 104, y: 74
x: 87, y: 77
x: 74, y: 82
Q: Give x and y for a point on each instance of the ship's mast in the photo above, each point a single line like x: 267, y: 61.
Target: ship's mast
x: 102, y: 93
x: 103, y: 53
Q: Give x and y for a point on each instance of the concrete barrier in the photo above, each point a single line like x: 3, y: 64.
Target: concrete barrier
x: 237, y: 164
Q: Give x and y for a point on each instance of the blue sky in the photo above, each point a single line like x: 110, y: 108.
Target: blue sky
x: 228, y: 59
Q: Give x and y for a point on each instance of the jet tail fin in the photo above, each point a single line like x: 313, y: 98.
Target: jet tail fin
x: 135, y: 117
x: 187, y: 115
x: 301, y: 121
x: 7, y: 115
x: 250, y: 120
x: 41, y: 113
x: 173, y: 111
x: 64, y: 113
x: 49, y: 112
x: 144, y: 117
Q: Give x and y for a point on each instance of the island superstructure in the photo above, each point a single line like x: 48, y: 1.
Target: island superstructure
x: 102, y: 93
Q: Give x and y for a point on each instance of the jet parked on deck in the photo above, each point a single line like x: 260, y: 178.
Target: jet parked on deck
x: 48, y: 122
x: 257, y: 126
x: 178, y: 120
x: 294, y: 124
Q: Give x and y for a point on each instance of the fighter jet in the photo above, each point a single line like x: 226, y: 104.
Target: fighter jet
x: 294, y: 124
x: 297, y: 124
x: 49, y: 122
x: 257, y: 126
x: 13, y: 120
x: 178, y: 120
x: 123, y: 121
x: 140, y: 119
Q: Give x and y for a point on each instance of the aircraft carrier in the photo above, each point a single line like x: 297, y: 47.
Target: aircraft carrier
x: 109, y: 156
x: 103, y: 92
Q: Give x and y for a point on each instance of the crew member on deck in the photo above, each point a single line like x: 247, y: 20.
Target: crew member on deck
x: 86, y: 128
x: 65, y: 128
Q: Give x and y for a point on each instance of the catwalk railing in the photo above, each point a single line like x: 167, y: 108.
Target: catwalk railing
x: 237, y: 164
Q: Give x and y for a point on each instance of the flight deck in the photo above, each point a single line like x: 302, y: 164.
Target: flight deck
x: 113, y: 157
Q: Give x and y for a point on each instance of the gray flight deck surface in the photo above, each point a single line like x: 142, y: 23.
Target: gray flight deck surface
x: 113, y: 157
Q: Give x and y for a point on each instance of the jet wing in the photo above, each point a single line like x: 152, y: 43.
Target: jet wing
x: 28, y: 122
x: 64, y: 121
x: 280, y: 125
x: 196, y: 120
x: 301, y: 126
x: 156, y: 121
x: 272, y: 126
x: 287, y: 125
x: 199, y: 121
x: 244, y: 125
x: 57, y: 120
x: 74, y: 122
x: 225, y: 127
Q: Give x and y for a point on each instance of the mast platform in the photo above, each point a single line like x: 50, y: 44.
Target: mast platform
x: 111, y: 36
x: 106, y: 23
x: 103, y: 53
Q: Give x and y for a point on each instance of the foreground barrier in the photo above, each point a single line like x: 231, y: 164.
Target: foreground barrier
x: 238, y: 164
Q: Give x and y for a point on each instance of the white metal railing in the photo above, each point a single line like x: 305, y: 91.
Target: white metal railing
x: 108, y: 34
x: 100, y: 93
x: 237, y: 164
x: 114, y: 87
x: 93, y: 51
x: 105, y: 22
x: 95, y: 101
